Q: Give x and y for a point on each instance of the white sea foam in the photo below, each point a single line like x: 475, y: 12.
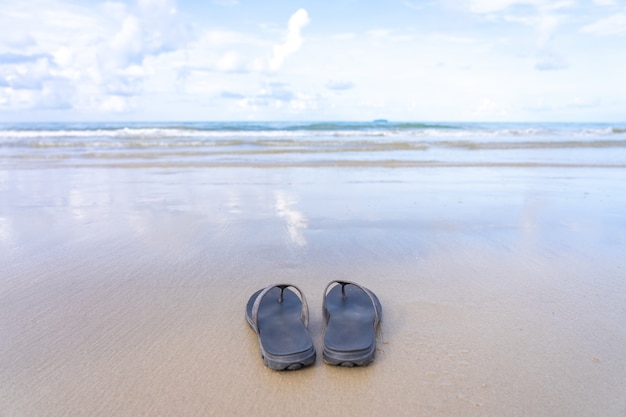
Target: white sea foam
x: 284, y: 143
x: 315, y: 131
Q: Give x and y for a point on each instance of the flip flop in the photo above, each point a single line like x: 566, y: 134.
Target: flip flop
x: 352, y: 314
x: 280, y: 317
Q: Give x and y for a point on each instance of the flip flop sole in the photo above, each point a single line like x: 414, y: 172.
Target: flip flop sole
x: 284, y: 340
x: 352, y: 316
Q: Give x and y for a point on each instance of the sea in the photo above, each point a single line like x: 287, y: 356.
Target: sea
x: 380, y: 143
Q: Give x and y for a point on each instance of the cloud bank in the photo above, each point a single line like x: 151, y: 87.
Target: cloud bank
x: 612, y: 25
x: 96, y: 62
x: 103, y: 57
x: 233, y: 60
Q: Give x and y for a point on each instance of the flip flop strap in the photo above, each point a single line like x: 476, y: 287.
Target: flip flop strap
x: 343, y: 293
x: 304, y: 315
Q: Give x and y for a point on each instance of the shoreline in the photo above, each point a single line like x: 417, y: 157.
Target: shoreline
x: 391, y: 164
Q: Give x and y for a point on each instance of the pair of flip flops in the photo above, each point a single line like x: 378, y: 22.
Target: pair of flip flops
x: 279, y: 314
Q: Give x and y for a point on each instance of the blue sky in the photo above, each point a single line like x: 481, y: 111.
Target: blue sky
x: 472, y: 60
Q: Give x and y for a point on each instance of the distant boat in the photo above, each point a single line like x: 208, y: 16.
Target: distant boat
x: 380, y: 121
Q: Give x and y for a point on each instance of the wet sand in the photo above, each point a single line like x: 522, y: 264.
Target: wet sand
x: 122, y: 291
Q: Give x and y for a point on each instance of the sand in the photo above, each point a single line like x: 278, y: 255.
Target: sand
x: 122, y: 291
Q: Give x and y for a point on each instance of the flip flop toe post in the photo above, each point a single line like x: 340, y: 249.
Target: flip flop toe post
x: 279, y: 315
x: 352, y: 314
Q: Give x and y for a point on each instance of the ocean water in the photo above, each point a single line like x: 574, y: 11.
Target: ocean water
x: 312, y: 144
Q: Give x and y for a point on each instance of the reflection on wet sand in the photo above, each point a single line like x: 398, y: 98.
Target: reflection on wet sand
x: 295, y: 220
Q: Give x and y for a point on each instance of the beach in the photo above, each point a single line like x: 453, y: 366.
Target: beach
x: 126, y: 271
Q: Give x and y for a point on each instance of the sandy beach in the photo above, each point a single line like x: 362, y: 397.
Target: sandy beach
x: 122, y: 290
x: 161, y: 161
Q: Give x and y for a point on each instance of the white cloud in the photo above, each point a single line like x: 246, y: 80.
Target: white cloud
x: 149, y: 60
x: 126, y: 45
x: 278, y: 96
x: 231, y: 95
x: 488, y: 110
x: 234, y: 52
x: 545, y: 16
x: 613, y: 25
x: 18, y: 40
x: 547, y: 26
x: 25, y: 75
x: 293, y: 42
x: 231, y: 61
x: 160, y: 6
x: 274, y: 93
x: 489, y: 6
x: 492, y: 6
x: 339, y: 85
x: 549, y: 60
x: 115, y: 104
x: 583, y: 103
x: 223, y: 51
x: 605, y: 2
x: 28, y: 99
x: 85, y: 58
x: 217, y: 37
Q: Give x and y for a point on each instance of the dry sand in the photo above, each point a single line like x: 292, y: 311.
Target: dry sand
x: 122, y: 291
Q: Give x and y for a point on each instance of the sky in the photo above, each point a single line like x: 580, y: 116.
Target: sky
x: 432, y: 60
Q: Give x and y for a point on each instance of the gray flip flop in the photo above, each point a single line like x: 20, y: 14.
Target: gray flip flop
x: 280, y: 317
x: 352, y: 314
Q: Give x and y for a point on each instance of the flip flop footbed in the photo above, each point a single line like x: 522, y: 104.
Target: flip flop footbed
x: 283, y: 338
x: 350, y: 332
